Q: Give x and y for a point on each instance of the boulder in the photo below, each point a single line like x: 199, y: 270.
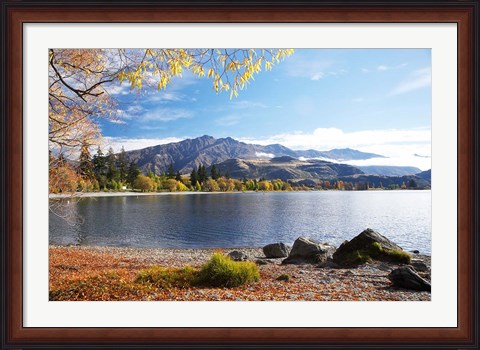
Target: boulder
x: 276, y: 250
x: 406, y: 277
x: 369, y: 245
x: 237, y: 255
x: 306, y: 250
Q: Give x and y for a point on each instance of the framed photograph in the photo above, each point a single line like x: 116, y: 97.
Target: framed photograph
x: 239, y: 175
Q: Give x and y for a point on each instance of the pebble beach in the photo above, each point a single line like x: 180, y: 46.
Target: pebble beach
x: 110, y: 272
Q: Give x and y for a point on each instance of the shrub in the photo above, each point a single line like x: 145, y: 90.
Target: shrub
x: 221, y: 271
x: 167, y: 278
x: 144, y: 183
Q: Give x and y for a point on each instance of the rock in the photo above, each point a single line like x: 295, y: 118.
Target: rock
x: 415, y: 251
x: 406, y: 277
x: 237, y: 256
x: 368, y: 245
x: 264, y: 261
x: 306, y: 250
x: 328, y: 264
x: 419, y: 265
x: 383, y: 267
x: 276, y: 250
x: 283, y: 277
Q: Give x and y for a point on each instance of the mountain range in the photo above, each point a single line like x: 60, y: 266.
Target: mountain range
x: 242, y: 160
x: 206, y: 150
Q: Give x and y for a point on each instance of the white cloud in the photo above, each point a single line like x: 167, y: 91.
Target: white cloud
x: 365, y: 70
x: 132, y: 144
x: 399, y: 145
x: 358, y: 99
x: 264, y: 155
x: 307, y: 67
x: 123, y: 89
x: 317, y: 76
x: 383, y: 67
x: 166, y: 114
x: 228, y: 120
x: 244, y: 104
x: 117, y: 121
x: 418, y: 79
x: 162, y: 96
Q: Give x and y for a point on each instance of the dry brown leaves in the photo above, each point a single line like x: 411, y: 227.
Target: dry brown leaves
x: 109, y: 274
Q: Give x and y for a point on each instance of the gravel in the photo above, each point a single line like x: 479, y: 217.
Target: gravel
x: 367, y: 283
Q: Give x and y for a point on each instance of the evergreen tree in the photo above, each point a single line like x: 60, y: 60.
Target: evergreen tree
x: 227, y: 174
x: 214, y: 172
x: 171, y: 171
x: 132, y: 173
x: 112, y: 171
x: 178, y: 177
x: 99, y: 163
x: 194, y: 177
x: 202, y: 174
x: 85, y: 165
x: 122, y: 165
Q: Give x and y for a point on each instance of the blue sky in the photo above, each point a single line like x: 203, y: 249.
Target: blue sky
x: 375, y: 100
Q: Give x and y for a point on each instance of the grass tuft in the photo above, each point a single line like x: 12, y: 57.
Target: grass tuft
x: 221, y: 271
x: 167, y: 278
x: 376, y: 252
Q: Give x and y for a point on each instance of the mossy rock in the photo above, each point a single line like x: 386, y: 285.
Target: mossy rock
x: 368, y: 246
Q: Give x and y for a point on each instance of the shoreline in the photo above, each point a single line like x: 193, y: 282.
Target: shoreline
x: 109, y: 273
x: 133, y: 194
x: 79, y: 195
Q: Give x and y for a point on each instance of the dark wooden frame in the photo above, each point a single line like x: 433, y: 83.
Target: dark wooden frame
x: 464, y: 13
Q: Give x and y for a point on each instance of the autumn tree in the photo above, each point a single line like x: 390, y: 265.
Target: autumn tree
x: 143, y: 183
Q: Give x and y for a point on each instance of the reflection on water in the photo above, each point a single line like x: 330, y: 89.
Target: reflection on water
x: 247, y: 219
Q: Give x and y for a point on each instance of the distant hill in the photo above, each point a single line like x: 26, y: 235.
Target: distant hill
x: 389, y: 170
x: 411, y: 181
x: 285, y: 168
x: 339, y: 154
x: 426, y: 175
x: 206, y: 150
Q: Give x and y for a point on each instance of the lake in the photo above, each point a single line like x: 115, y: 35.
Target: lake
x: 247, y: 219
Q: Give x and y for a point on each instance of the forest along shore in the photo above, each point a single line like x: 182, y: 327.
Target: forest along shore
x: 109, y: 273
x: 131, y: 194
